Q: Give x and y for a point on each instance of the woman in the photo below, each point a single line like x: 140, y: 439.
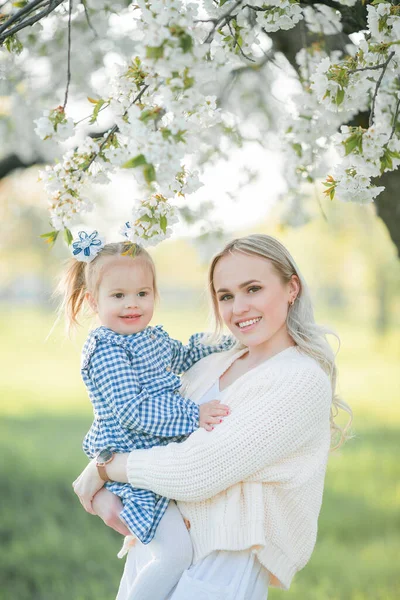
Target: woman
x: 252, y: 488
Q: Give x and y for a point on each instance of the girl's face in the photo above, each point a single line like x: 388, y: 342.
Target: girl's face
x: 125, y: 297
x: 252, y: 299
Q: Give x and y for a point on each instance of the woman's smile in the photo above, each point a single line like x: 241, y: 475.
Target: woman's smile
x: 248, y: 324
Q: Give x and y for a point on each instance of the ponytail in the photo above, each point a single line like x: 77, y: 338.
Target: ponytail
x: 72, y: 288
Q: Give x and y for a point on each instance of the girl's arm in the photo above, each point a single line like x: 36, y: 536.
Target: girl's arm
x: 108, y: 507
x: 185, y: 356
x: 136, y: 408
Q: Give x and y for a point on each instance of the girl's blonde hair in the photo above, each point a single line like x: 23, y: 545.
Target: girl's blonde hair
x: 300, y: 322
x: 81, y: 277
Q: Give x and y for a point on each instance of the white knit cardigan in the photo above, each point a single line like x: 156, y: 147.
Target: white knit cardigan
x: 256, y: 480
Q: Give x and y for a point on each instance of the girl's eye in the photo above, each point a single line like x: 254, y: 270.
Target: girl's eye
x: 119, y: 295
x: 253, y: 289
x: 142, y: 294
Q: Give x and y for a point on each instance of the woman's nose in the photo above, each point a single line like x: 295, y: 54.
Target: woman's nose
x: 240, y: 305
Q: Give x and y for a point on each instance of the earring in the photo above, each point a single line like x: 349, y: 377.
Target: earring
x: 292, y: 302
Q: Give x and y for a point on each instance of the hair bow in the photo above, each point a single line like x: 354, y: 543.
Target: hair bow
x: 88, y: 246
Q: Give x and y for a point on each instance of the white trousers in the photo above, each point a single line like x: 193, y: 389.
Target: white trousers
x: 152, y: 570
x: 224, y: 575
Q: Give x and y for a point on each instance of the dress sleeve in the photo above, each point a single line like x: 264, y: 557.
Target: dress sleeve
x: 276, y: 421
x: 185, y: 356
x: 134, y: 407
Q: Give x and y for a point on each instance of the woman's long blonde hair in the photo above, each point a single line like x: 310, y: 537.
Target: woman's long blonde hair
x: 300, y: 322
x: 80, y: 277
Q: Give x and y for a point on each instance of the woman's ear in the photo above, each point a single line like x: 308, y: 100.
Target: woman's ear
x: 294, y: 287
x: 90, y: 299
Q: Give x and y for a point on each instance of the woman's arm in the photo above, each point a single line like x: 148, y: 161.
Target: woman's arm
x: 282, y: 414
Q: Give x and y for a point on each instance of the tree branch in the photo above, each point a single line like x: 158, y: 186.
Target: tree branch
x: 378, y: 84
x: 26, y: 22
x: 68, y: 55
x: 84, y: 3
x: 396, y: 114
x: 236, y: 42
x: 221, y: 21
x: 20, y: 13
x: 12, y: 162
x: 113, y: 130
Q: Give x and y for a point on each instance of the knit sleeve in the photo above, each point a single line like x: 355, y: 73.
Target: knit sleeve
x: 276, y: 419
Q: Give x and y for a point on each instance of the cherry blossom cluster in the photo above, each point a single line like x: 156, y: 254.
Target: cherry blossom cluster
x: 159, y: 105
x: 163, y: 103
x: 335, y: 89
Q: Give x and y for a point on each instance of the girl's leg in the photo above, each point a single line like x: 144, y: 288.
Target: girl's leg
x: 152, y: 570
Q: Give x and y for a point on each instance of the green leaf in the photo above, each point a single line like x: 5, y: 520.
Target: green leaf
x: 154, y: 52
x: 68, y: 236
x: 298, y: 149
x: 386, y: 161
x: 353, y: 142
x: 137, y: 161
x: 96, y: 110
x: 186, y: 42
x: 340, y: 96
x: 393, y: 153
x: 163, y: 223
x: 13, y: 44
x: 149, y: 173
x: 50, y: 237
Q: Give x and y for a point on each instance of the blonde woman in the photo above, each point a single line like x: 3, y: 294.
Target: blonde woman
x: 250, y: 490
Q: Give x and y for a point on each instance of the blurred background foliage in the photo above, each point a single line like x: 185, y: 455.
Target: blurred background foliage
x: 50, y: 548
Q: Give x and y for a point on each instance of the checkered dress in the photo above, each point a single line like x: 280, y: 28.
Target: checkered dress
x: 134, y: 389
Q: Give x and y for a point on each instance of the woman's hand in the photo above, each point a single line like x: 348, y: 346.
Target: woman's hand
x: 87, y: 484
x: 108, y: 507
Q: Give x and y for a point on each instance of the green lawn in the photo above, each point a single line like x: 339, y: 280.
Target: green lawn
x: 52, y: 550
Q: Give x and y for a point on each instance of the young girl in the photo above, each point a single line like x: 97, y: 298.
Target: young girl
x: 130, y: 371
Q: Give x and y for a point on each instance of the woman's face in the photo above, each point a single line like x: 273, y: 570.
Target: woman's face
x: 252, y: 299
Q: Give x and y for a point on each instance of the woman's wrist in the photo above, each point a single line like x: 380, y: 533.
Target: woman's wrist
x: 116, y: 469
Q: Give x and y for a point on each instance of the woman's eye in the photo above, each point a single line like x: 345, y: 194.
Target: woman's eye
x: 225, y: 297
x: 253, y: 289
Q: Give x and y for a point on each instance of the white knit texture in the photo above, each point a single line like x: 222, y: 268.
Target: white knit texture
x: 256, y: 480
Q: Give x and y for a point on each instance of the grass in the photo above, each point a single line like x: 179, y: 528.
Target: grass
x: 50, y: 549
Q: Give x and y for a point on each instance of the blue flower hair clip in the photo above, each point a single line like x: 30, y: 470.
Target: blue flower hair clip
x: 126, y: 230
x: 88, y: 246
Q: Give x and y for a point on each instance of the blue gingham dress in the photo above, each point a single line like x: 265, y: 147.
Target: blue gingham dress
x: 134, y: 389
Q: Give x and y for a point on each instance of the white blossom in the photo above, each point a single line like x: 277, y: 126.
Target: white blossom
x: 161, y: 70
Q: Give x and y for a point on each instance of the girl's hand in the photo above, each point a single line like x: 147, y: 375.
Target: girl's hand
x: 211, y: 413
x: 108, y: 507
x: 87, y: 484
